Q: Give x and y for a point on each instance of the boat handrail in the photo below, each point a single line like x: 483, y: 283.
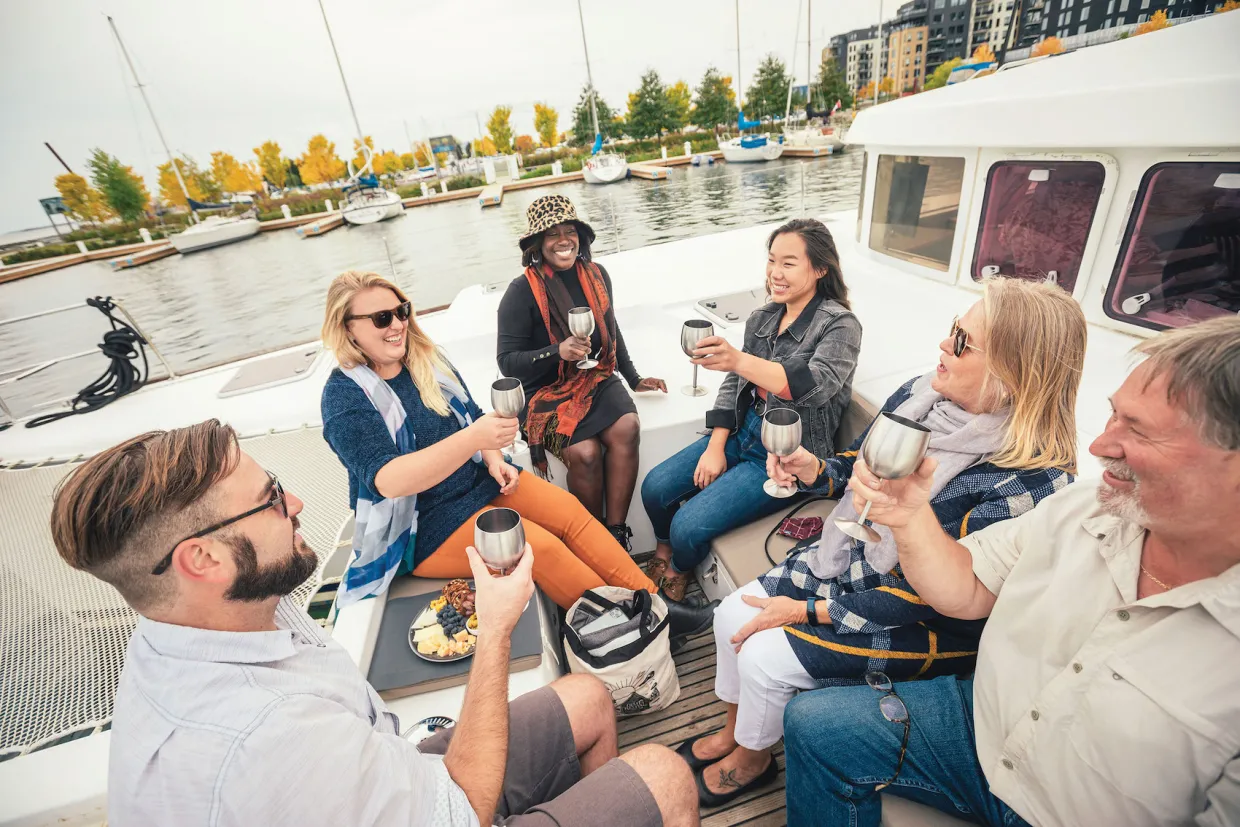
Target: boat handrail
x: 26, y: 371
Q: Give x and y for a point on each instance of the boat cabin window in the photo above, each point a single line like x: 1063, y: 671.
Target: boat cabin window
x: 1036, y: 220
x: 865, y: 173
x: 916, y: 199
x: 1180, y: 262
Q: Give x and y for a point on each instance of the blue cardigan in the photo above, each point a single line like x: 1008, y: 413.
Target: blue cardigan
x: 355, y: 431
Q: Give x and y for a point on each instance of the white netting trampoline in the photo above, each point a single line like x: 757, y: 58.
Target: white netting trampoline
x: 63, y: 633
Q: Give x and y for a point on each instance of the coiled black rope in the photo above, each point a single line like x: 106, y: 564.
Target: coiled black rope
x: 122, y: 345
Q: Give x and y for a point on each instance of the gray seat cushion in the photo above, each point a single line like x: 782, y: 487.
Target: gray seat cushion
x: 900, y: 812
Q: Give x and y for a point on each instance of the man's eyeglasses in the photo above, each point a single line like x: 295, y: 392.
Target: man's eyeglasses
x: 382, y: 319
x: 961, y: 337
x: 893, y: 710
x: 276, y: 501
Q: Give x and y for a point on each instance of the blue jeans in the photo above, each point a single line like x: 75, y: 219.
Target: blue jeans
x: 688, y: 518
x: 838, y: 746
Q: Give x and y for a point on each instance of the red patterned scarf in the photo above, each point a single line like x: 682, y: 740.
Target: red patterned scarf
x: 556, y: 410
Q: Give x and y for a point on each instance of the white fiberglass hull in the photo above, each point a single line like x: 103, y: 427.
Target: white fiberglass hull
x: 734, y: 153
x: 213, y: 233
x: 379, y: 205
x: 813, y: 138
x: 606, y: 173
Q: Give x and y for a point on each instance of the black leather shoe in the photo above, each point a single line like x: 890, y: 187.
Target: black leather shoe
x: 707, y: 798
x: 622, y: 533
x: 687, y: 621
x: 685, y: 751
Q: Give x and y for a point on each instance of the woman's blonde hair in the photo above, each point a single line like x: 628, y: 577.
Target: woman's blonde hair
x: 1035, y: 349
x: 422, y: 357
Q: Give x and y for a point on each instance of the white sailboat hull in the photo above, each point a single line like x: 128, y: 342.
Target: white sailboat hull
x: 734, y: 153
x: 214, y: 232
x: 814, y: 138
x: 607, y: 170
x: 372, y: 207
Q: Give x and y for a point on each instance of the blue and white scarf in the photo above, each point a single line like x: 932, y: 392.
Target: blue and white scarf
x: 385, y: 530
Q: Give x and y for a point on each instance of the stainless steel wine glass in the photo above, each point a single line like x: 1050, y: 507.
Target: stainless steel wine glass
x: 499, y: 536
x: 692, y: 332
x: 893, y: 449
x: 581, y: 325
x: 781, y: 435
x: 508, y: 399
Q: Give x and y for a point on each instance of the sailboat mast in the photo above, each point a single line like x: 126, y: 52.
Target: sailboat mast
x: 142, y: 91
x: 356, y: 124
x: 796, y: 38
x: 739, y: 105
x: 809, y: 49
x: 589, y: 74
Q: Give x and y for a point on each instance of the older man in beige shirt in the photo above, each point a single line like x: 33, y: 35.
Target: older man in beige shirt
x: 1107, y: 689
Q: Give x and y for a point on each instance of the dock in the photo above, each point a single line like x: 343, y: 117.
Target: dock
x: 440, y: 197
x: 142, y: 257
x: 13, y: 272
x: 491, y: 196
x: 808, y: 151
x: 649, y: 171
x: 321, y: 227
x: 295, y: 221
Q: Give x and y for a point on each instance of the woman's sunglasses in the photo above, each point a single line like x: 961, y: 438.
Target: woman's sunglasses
x: 382, y: 319
x: 961, y: 339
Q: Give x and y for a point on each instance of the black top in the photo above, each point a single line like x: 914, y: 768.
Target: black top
x: 524, y: 350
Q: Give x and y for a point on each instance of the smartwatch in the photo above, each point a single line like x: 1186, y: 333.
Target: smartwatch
x: 810, y: 612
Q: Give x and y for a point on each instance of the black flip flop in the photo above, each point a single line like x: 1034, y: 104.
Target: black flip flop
x: 685, y: 751
x: 707, y: 798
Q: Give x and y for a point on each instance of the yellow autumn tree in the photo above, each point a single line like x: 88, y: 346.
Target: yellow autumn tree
x: 984, y: 54
x: 546, y: 123
x: 1047, y: 46
x: 885, y: 87
x: 407, y: 161
x: 422, y: 155
x: 320, y: 164
x: 85, y: 203
x: 485, y: 146
x: 388, y: 161
x: 1230, y: 5
x: 233, y: 175
x: 1157, y: 21
x: 359, y: 159
x: 525, y: 144
x: 272, y: 163
x: 201, y: 185
x: 500, y: 129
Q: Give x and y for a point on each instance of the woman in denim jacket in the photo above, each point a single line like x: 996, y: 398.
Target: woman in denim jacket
x: 800, y: 353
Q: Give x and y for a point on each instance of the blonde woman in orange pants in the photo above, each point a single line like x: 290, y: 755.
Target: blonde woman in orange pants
x: 454, y: 464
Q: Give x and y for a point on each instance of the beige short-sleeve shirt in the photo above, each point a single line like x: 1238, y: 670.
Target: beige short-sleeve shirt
x: 1094, y: 707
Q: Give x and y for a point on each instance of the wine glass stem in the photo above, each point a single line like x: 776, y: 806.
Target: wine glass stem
x: 865, y: 512
x: 695, y: 367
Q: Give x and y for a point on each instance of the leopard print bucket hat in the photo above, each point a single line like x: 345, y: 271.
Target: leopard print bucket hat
x: 548, y: 211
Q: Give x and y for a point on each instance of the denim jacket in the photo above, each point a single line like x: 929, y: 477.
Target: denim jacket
x: 819, y: 354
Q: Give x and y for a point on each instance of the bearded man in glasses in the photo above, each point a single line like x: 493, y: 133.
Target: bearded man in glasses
x: 1107, y: 689
x: 234, y: 708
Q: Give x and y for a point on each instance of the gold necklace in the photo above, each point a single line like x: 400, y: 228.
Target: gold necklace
x: 1166, y: 588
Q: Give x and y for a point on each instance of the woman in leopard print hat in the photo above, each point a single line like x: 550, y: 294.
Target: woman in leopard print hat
x: 586, y: 418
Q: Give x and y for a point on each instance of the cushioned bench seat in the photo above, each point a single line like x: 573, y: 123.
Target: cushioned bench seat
x: 738, y: 557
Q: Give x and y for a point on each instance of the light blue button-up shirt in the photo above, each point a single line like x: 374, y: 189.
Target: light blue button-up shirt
x: 264, y: 728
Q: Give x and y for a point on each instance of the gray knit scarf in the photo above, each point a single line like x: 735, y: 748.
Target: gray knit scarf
x: 958, y: 440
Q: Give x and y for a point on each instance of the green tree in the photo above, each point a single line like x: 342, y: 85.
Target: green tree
x: 679, y: 98
x: 830, y: 86
x: 546, y: 123
x: 939, y: 76
x: 201, y: 186
x: 649, y: 112
x: 120, y: 187
x: 500, y: 129
x: 292, y: 174
x: 271, y: 163
x: 768, y: 94
x: 583, y: 127
x: 714, y: 102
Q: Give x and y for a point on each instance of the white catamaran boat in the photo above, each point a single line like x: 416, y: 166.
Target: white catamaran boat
x: 1054, y: 170
x: 602, y: 167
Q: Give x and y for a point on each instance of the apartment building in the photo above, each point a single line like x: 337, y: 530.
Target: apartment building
x: 1066, y: 18
x: 993, y: 24
x: 906, y: 58
x: 860, y: 65
x: 949, y: 27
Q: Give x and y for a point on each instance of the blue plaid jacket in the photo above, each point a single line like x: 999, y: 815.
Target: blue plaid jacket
x: 864, y: 602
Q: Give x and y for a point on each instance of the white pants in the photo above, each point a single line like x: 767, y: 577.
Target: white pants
x: 762, y: 678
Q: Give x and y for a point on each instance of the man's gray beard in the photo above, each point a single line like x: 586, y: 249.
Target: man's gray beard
x: 1126, y: 505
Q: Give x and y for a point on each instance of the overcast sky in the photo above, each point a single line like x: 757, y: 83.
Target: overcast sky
x: 229, y: 74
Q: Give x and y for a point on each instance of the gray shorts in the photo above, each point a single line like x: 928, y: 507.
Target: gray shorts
x: 543, y: 786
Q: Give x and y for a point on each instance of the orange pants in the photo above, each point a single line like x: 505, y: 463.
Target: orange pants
x: 573, y: 552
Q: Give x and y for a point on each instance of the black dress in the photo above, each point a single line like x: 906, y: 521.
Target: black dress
x: 525, y: 352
